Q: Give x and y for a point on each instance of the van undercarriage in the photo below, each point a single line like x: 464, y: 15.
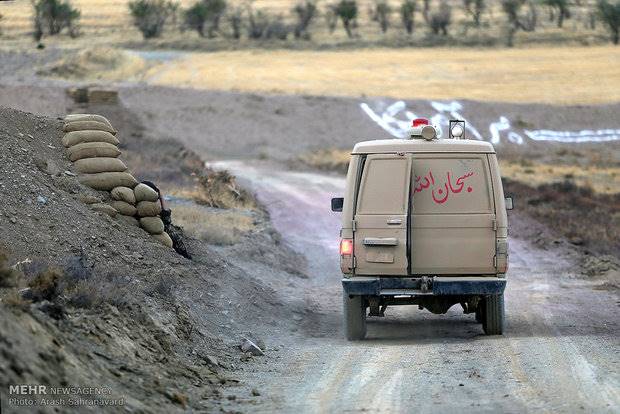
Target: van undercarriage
x: 370, y: 296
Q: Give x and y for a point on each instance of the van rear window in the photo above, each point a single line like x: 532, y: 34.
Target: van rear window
x: 450, y: 186
x: 383, y: 189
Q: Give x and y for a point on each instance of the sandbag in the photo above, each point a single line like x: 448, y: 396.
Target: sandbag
x: 77, y: 137
x: 153, y: 225
x: 104, y: 208
x: 124, y: 208
x: 123, y: 194
x: 130, y: 221
x: 93, y: 150
x: 88, y: 125
x: 88, y: 199
x: 163, y: 239
x: 98, y: 165
x: 108, y: 180
x: 87, y: 117
x: 145, y: 193
x: 149, y: 208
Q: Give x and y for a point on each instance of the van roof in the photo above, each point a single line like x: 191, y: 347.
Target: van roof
x: 421, y: 145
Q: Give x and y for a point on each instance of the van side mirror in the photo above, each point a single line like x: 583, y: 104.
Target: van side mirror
x: 509, y: 203
x: 337, y: 203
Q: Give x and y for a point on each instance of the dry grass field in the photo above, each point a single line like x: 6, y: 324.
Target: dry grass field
x: 558, y: 75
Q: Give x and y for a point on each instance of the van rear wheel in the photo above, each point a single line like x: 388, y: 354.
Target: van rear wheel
x: 354, y: 317
x: 493, y: 315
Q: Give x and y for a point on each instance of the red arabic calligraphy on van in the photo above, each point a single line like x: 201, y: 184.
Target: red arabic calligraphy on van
x: 440, y: 193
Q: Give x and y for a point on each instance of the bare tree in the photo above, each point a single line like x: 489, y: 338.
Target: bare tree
x: 562, y: 9
x: 331, y: 18
x: 609, y: 14
x: 441, y: 19
x: 235, y: 18
x: 407, y: 14
x: 426, y: 9
x: 516, y: 22
x: 257, y: 23
x: 381, y: 14
x: 305, y: 13
x: 474, y: 8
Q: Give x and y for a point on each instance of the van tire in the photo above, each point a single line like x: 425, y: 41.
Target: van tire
x: 354, y: 317
x: 493, y: 315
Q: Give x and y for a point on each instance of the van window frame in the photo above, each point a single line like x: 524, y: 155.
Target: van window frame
x: 362, y: 171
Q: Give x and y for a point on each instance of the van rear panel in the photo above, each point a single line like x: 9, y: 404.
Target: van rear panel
x: 424, y: 214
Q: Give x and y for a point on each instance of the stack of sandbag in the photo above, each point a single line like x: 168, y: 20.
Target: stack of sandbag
x: 93, y: 147
x: 124, y: 201
x: 148, y: 208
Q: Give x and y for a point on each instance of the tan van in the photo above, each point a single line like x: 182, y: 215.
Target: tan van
x: 424, y: 223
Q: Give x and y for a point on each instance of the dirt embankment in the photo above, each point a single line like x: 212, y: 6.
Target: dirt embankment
x: 108, y: 307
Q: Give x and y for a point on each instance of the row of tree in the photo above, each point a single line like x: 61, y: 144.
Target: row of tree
x: 206, y: 17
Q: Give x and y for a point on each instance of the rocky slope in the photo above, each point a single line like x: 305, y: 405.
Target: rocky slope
x: 106, y: 306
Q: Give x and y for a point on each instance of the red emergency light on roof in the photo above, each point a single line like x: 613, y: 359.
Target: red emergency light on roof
x: 420, y: 121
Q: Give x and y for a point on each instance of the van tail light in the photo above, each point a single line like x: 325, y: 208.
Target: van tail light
x: 346, y: 247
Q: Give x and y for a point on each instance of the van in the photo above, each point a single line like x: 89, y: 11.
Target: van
x: 423, y: 223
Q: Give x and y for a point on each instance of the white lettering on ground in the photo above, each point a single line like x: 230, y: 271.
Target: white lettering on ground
x: 396, y: 120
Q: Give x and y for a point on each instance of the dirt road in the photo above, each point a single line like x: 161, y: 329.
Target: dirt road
x: 559, y: 353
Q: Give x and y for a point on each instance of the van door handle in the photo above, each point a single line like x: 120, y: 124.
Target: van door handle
x: 395, y: 221
x: 380, y: 241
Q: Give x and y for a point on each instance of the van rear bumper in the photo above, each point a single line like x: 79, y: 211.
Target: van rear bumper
x: 423, y: 286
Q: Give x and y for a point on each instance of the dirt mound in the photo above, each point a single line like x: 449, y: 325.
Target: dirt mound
x: 96, y: 63
x: 120, y: 310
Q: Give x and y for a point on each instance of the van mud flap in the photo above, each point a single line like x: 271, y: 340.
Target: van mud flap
x: 423, y: 286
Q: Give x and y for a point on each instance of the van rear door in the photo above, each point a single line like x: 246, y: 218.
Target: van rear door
x: 381, y: 215
x: 453, y: 215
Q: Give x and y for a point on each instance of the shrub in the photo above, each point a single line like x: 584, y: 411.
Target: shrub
x: 441, y: 19
x: 205, y: 13
x: 381, y: 14
x: 474, y: 8
x: 516, y: 22
x: 276, y: 29
x: 52, y: 16
x: 425, y: 9
x: 257, y: 23
x: 305, y: 12
x: 45, y: 285
x: 346, y: 10
x: 407, y: 14
x: 196, y: 17
x: 331, y: 18
x: 235, y: 17
x: 150, y: 16
x: 609, y: 14
x: 561, y: 6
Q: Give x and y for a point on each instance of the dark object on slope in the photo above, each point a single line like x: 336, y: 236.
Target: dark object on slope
x: 175, y: 232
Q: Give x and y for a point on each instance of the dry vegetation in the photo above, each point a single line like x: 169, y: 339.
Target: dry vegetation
x: 219, y: 227
x: 100, y: 63
x: 222, y: 213
x: 216, y: 189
